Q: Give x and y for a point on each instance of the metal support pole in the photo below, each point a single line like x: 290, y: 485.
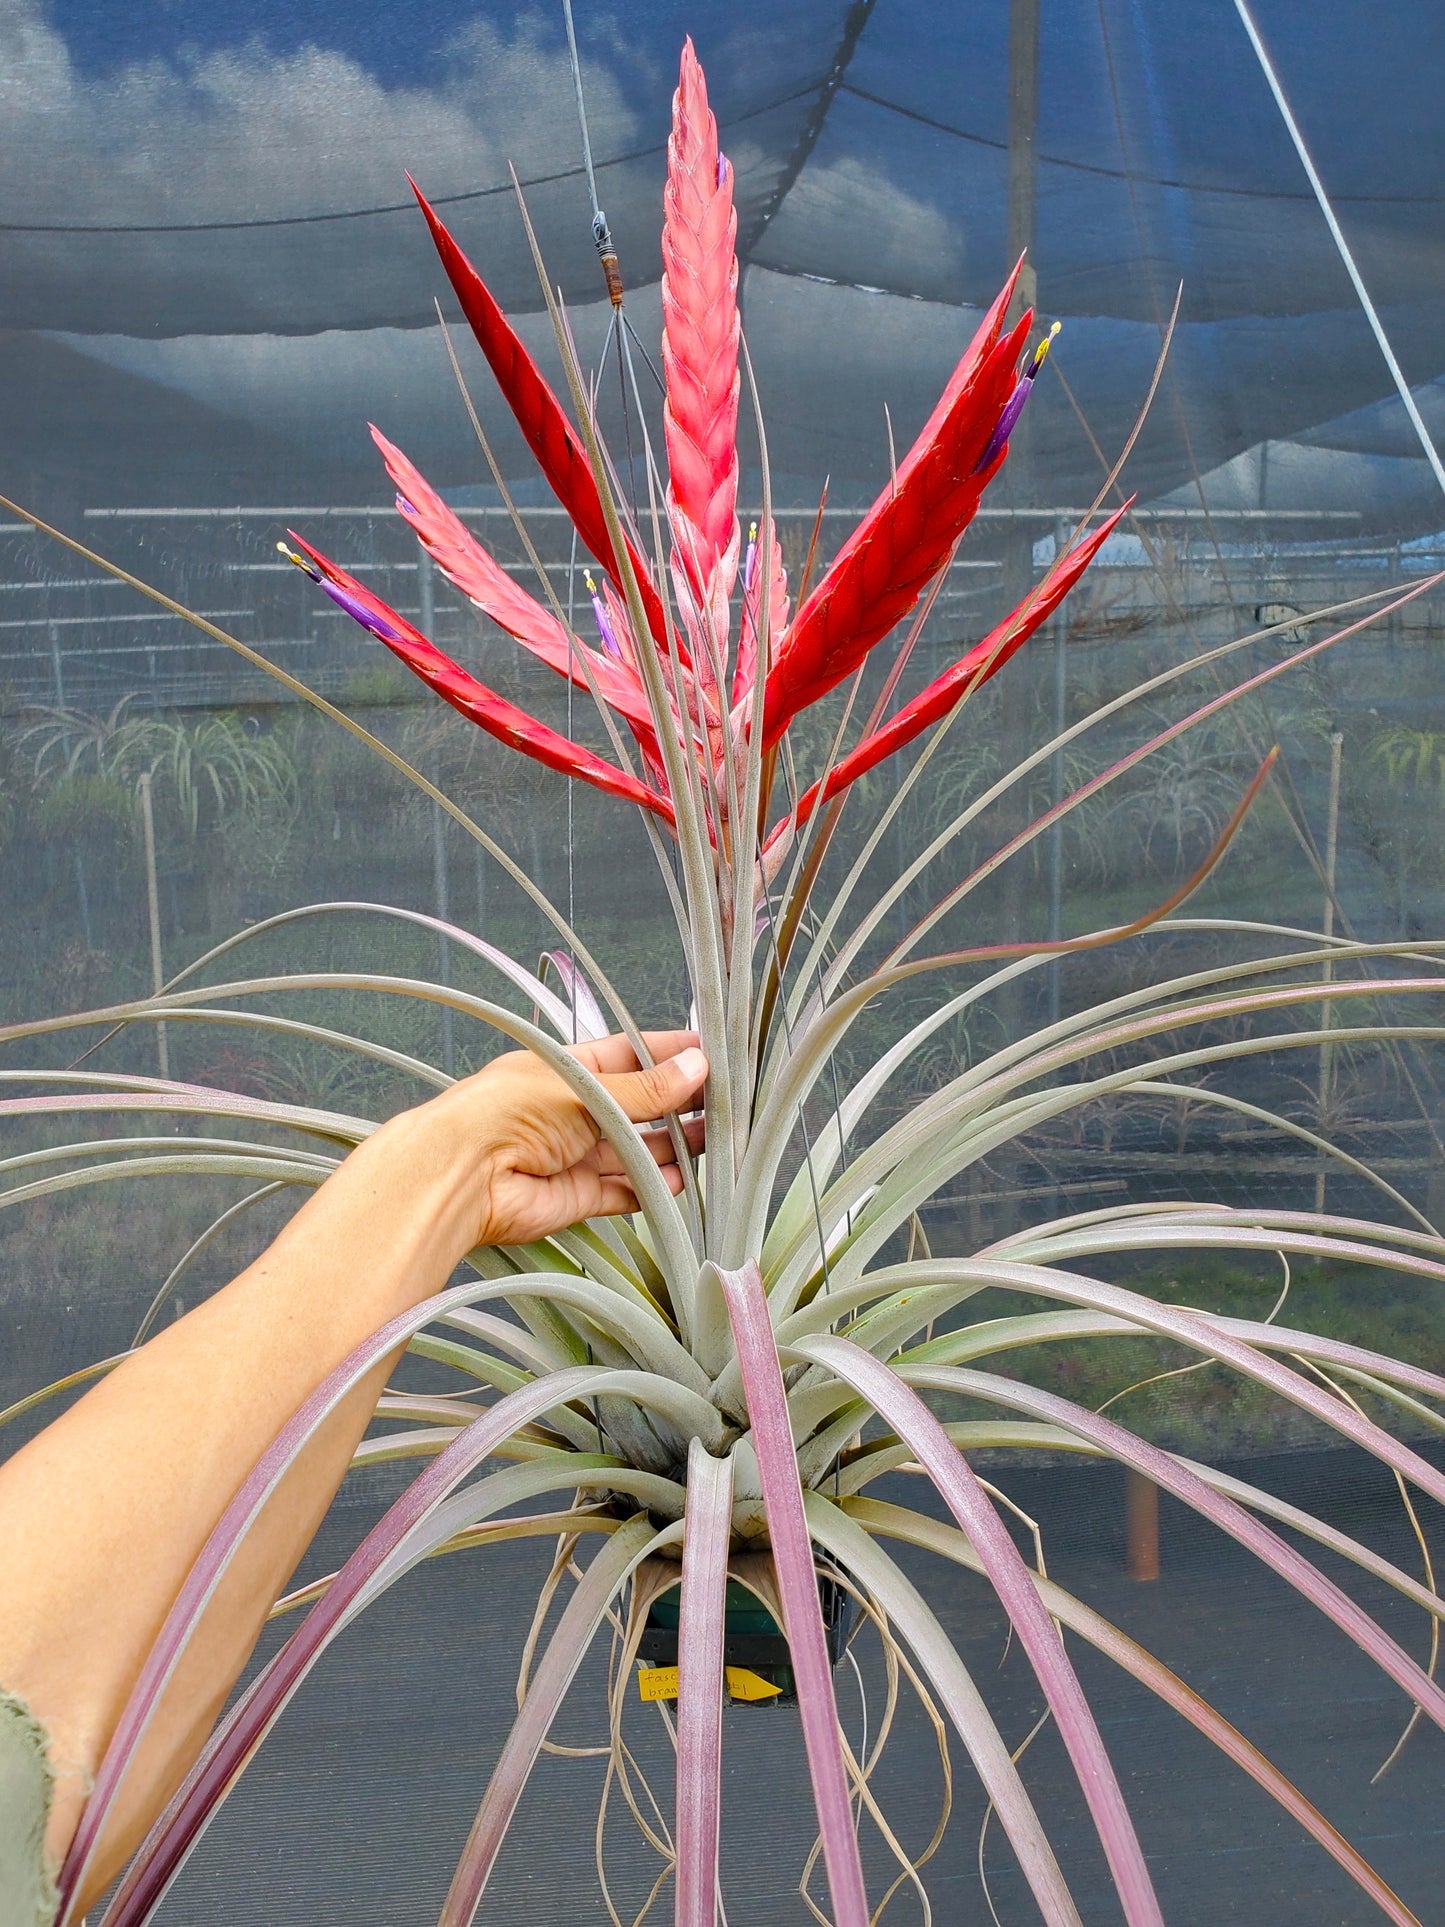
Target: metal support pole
x: 1016, y: 910
x: 57, y: 679
x: 442, y: 892
x: 1059, y: 623
x: 84, y: 895
x: 1023, y: 120
x: 153, y: 906
x: 441, y: 879
x: 1141, y: 1525
x: 1332, y: 845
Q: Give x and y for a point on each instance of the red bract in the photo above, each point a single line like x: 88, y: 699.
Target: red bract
x: 704, y: 697
x: 540, y: 416
x: 985, y: 659
x: 471, y: 698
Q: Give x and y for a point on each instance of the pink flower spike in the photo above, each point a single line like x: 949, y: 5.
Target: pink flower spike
x: 898, y: 547
x: 700, y: 348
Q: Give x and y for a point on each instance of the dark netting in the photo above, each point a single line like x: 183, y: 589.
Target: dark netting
x: 214, y: 277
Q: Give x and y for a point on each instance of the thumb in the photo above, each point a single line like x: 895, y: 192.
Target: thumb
x: 661, y: 1088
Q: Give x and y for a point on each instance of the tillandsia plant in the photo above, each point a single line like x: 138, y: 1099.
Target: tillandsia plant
x: 713, y: 1385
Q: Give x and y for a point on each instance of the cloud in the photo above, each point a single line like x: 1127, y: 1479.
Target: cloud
x: 848, y: 220
x: 193, y: 195
x: 238, y: 133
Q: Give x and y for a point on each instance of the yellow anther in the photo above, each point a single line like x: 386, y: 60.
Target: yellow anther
x: 1043, y: 348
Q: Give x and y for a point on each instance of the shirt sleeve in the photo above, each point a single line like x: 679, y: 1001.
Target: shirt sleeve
x: 27, y: 1891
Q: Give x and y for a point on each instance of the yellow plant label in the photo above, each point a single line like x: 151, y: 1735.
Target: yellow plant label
x: 745, y: 1685
x: 660, y: 1683
x: 657, y: 1683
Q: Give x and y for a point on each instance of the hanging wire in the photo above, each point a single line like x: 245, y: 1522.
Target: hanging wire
x: 571, y: 787
x: 606, y: 254
x: 1432, y: 454
x: 601, y: 233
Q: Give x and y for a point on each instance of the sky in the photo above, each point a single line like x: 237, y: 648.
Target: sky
x: 211, y: 199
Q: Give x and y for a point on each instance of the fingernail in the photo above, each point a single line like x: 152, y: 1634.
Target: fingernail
x: 692, y: 1064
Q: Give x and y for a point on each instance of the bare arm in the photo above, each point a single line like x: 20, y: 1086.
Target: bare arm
x: 104, y: 1513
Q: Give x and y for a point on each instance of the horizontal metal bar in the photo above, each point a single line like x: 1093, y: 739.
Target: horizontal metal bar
x: 64, y: 582
x: 159, y: 648
x: 77, y: 622
x: 1042, y: 515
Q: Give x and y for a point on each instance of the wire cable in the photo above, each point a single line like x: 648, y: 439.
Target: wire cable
x: 1417, y: 422
x: 601, y: 233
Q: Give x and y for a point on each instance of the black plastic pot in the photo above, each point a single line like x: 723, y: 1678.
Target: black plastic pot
x: 751, y: 1636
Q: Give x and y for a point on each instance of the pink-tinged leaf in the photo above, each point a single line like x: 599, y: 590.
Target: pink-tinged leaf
x: 176, y: 1833
x: 550, y: 436
x: 582, y: 1015
x: 898, y: 547
x: 391, y: 1544
x: 700, y: 350
x: 901, y: 1408
x: 483, y: 580
x: 1171, y: 1476
x: 896, y: 1522
x: 700, y: 1685
x: 911, y: 1615
x: 981, y: 662
x: 1201, y: 1333
x: 216, y: 1557
x: 473, y: 699
x: 772, y: 1440
x: 567, y: 1648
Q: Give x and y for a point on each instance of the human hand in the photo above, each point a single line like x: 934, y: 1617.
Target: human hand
x: 538, y: 1161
